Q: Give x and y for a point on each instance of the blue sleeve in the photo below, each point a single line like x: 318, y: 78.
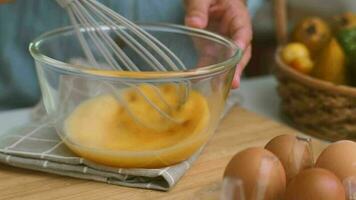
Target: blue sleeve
x: 253, y: 6
x: 23, y: 20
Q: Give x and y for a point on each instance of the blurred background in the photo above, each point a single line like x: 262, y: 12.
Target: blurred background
x: 264, y: 42
x: 23, y: 20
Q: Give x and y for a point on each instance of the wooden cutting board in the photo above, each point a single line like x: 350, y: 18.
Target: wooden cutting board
x: 240, y: 129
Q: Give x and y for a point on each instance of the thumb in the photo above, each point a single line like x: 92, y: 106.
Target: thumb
x: 197, y: 12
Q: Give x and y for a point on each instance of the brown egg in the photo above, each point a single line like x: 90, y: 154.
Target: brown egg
x: 294, y: 152
x: 339, y: 158
x: 314, y: 184
x: 260, y: 172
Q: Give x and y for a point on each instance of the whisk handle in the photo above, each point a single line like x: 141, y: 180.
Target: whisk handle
x: 64, y: 3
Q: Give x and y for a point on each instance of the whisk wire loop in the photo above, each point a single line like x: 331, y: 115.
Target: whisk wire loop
x: 95, y: 25
x: 151, y: 41
x: 109, y: 41
x: 134, y: 44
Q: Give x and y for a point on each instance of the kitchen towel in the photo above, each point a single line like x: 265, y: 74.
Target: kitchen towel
x: 36, y: 146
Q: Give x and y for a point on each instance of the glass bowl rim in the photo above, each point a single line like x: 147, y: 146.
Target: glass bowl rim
x: 196, y: 72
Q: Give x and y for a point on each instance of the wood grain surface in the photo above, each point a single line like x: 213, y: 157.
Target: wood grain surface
x: 239, y: 130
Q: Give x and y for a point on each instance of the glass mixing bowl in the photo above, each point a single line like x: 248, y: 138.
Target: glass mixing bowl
x: 101, y: 116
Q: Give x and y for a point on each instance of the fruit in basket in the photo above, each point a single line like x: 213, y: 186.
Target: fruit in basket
x: 313, y: 32
x: 331, y: 64
x: 345, y: 21
x: 347, y: 39
x: 297, y: 56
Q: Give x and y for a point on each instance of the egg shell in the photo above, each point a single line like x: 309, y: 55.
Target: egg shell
x: 339, y: 158
x: 350, y: 187
x: 294, y: 153
x: 255, y: 167
x: 315, y: 184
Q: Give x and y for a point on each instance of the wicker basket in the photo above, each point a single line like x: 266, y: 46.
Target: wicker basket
x: 316, y: 107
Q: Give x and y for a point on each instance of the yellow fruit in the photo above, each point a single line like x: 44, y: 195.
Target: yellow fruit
x: 293, y: 51
x: 331, y: 64
x: 303, y: 65
x: 345, y: 21
x: 297, y: 56
x: 312, y: 32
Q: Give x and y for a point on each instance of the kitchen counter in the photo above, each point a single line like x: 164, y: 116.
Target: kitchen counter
x: 240, y: 129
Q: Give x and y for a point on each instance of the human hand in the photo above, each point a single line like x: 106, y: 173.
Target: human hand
x: 227, y: 17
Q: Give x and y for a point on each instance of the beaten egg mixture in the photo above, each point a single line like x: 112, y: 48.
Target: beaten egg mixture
x: 127, y: 131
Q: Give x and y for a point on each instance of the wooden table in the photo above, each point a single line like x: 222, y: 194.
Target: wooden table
x: 239, y: 130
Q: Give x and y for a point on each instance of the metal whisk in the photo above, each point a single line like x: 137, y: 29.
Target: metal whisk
x: 95, y: 19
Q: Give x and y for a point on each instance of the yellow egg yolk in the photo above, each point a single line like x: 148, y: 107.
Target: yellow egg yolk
x: 145, y: 126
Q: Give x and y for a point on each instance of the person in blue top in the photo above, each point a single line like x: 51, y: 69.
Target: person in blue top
x: 23, y: 20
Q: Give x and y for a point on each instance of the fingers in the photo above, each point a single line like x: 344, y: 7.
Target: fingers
x: 236, y: 23
x: 229, y: 15
x: 241, y: 66
x: 216, y: 11
x: 197, y: 12
x: 232, y: 19
x: 208, y: 54
x: 240, y: 28
x: 244, y: 60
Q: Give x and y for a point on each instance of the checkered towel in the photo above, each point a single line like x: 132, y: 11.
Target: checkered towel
x: 36, y: 146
